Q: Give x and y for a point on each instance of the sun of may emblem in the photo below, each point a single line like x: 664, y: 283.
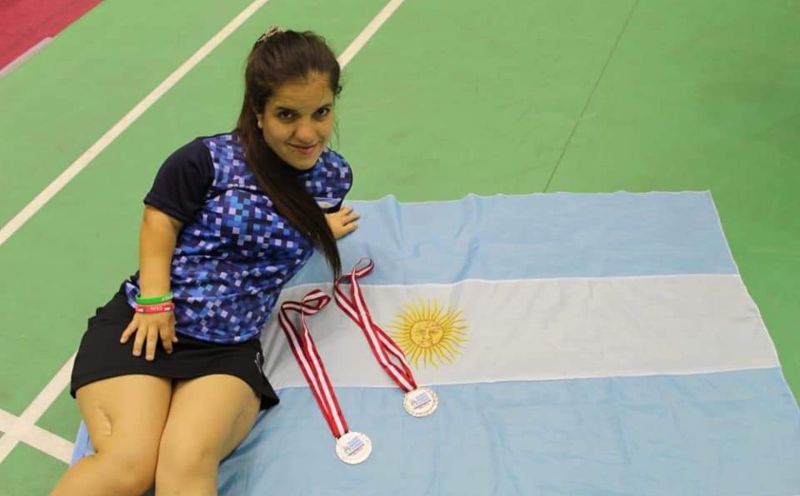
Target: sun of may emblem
x: 429, y: 333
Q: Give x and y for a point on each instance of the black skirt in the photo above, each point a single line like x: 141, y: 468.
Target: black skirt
x: 102, y: 356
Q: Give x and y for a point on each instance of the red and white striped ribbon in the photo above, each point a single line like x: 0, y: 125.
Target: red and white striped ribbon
x: 382, y: 346
x: 307, y: 356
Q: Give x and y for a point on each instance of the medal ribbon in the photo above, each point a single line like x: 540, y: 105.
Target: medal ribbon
x: 307, y: 356
x: 382, y: 346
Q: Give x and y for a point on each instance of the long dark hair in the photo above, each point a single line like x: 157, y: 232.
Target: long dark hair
x: 277, y: 58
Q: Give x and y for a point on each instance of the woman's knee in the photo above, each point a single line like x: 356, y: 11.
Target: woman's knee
x: 125, y: 417
x: 187, y: 459
x: 133, y: 471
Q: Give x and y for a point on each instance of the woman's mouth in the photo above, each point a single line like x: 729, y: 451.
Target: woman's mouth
x: 303, y: 149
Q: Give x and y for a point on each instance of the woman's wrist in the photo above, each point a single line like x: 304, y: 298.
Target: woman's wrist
x: 155, y: 308
x: 141, y: 299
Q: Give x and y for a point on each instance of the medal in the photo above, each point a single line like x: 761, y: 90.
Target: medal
x: 351, y: 447
x: 419, y: 402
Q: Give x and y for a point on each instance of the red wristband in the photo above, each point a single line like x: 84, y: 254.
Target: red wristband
x: 167, y: 306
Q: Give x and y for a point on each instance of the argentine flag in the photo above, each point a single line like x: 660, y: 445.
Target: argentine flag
x: 579, y: 344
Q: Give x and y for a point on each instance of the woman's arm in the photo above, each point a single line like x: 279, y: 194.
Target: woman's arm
x: 157, y: 238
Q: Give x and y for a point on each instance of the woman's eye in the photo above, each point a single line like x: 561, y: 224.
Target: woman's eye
x: 285, y: 115
x: 323, y: 112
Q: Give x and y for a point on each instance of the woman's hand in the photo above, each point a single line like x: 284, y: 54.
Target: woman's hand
x: 150, y: 328
x: 342, y: 222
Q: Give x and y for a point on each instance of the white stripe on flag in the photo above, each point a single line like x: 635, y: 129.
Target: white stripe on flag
x: 541, y: 329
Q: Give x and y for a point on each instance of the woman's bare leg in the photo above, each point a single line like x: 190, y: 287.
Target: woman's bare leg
x: 125, y: 417
x: 208, y: 417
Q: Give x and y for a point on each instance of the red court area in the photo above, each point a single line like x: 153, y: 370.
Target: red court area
x: 24, y: 23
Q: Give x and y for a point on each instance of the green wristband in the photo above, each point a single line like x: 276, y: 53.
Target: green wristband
x: 154, y: 300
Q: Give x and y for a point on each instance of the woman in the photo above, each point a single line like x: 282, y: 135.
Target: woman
x: 229, y: 219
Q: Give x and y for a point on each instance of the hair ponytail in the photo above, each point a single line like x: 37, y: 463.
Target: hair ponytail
x: 279, y: 57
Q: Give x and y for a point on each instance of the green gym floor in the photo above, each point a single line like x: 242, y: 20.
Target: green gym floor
x: 447, y: 97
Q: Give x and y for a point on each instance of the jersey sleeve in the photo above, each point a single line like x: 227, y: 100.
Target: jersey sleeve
x: 182, y: 183
x: 330, y: 182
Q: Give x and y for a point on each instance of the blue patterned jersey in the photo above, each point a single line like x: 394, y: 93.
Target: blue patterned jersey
x: 236, y: 252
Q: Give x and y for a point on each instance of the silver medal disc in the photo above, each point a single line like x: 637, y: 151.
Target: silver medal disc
x: 420, y: 402
x: 353, y: 447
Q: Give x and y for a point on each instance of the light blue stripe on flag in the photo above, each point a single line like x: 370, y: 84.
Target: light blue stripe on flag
x: 533, y: 236
x: 734, y: 433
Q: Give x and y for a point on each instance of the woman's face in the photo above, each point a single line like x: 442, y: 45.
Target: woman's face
x: 298, y: 120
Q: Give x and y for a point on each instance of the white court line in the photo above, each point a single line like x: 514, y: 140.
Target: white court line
x: 78, y: 165
x: 25, y: 426
x: 43, y: 440
x: 48, y: 443
x: 6, y: 420
x: 367, y: 33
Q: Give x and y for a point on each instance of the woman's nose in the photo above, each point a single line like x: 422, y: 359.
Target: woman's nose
x: 305, y: 132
